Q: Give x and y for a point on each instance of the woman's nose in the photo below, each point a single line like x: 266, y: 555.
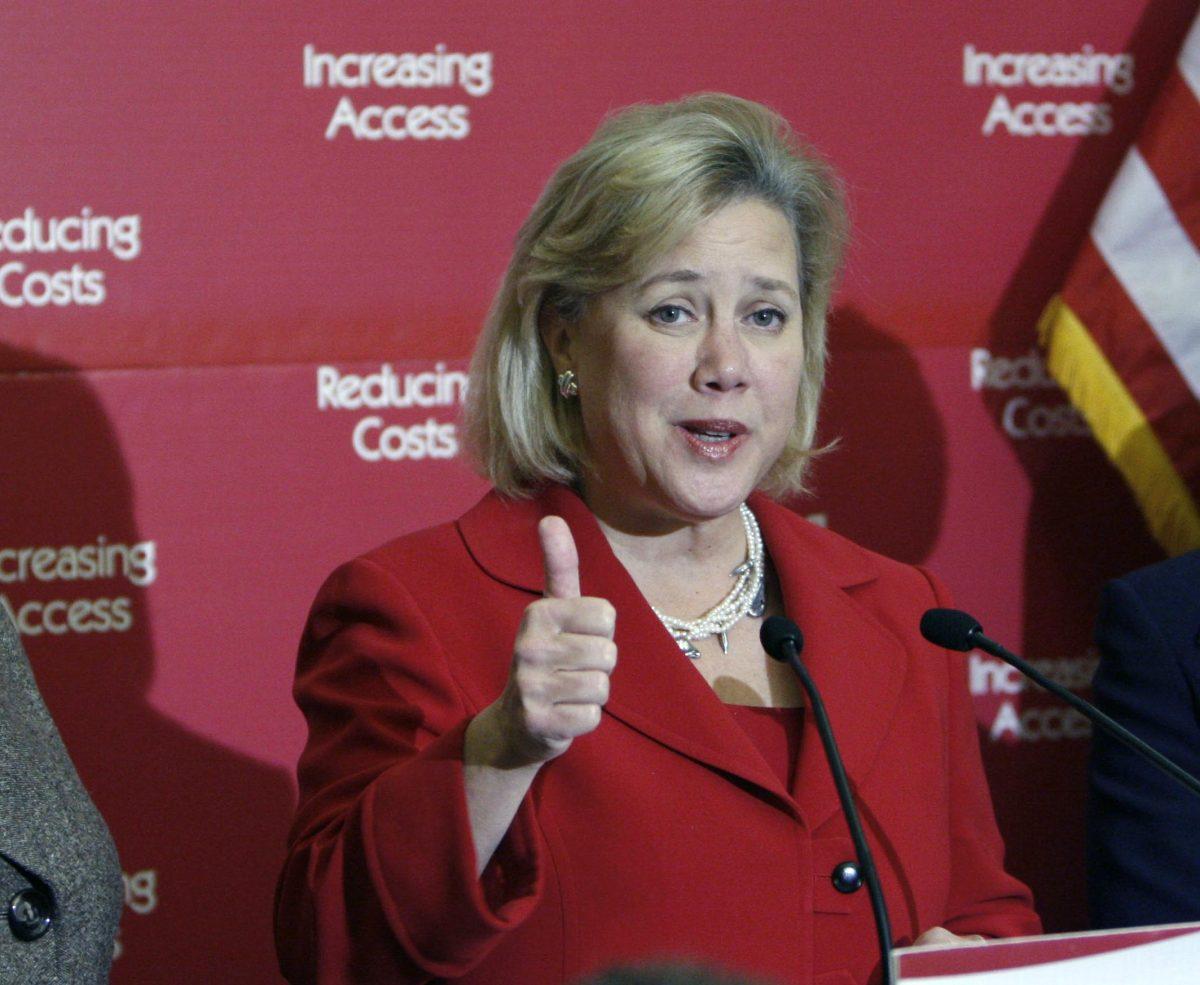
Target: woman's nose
x: 721, y: 359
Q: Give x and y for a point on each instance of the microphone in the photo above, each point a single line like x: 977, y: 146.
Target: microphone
x: 951, y: 629
x: 955, y: 630
x: 783, y: 641
x: 777, y: 633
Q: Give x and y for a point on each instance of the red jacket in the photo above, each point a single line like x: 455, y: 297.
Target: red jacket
x: 663, y: 833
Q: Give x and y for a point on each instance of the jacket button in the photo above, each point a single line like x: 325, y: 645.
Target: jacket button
x: 29, y: 914
x: 846, y: 877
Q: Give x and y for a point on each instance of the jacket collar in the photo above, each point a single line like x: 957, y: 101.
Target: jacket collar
x: 857, y: 663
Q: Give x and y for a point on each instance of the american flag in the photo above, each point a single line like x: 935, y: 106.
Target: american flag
x: 1123, y: 336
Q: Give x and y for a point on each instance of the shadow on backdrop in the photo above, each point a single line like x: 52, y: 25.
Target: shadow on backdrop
x: 200, y: 828
x: 884, y: 485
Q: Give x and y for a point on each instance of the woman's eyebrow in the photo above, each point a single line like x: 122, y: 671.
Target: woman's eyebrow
x: 771, y: 284
x: 688, y: 276
x: 670, y: 277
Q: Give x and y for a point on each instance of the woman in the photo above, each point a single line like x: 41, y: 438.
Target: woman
x: 487, y: 794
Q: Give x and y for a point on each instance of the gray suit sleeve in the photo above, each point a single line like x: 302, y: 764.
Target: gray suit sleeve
x: 57, y: 859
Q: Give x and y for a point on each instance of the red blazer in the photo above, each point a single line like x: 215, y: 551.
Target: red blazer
x: 662, y: 834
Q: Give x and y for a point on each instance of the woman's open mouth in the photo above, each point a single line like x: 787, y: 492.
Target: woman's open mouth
x: 713, y: 439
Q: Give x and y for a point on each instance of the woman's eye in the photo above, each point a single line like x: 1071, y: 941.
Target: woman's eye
x: 668, y: 314
x: 768, y: 317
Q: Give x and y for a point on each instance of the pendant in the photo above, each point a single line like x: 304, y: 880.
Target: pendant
x: 689, y: 649
x: 724, y: 638
x: 759, y: 605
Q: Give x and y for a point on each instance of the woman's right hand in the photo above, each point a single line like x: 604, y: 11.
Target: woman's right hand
x: 562, y: 658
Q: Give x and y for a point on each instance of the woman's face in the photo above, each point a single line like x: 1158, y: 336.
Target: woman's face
x: 688, y: 377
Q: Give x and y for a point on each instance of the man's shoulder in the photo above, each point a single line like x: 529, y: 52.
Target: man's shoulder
x: 1166, y: 593
x: 1175, y: 575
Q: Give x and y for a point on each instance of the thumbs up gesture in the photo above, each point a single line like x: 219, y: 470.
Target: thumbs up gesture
x: 562, y: 659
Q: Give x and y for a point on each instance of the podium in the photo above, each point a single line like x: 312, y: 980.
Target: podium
x: 1163, y: 955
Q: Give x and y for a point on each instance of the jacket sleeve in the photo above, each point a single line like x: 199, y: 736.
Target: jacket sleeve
x: 1142, y: 864
x: 54, y: 841
x: 983, y: 899
x: 379, y: 882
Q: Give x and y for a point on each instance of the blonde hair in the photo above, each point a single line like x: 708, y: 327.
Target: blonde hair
x: 647, y: 177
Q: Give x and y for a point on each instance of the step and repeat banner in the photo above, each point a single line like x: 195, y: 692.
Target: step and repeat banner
x: 245, y: 249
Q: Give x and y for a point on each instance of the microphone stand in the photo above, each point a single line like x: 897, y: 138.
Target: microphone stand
x: 1111, y: 726
x: 954, y: 629
x: 788, y: 651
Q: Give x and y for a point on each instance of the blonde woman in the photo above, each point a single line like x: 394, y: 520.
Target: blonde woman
x: 544, y: 738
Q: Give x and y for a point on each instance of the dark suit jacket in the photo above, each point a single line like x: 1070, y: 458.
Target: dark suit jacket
x: 664, y: 832
x: 57, y: 860
x: 1143, y: 850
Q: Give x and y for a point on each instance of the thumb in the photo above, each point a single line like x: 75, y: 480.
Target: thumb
x: 560, y: 558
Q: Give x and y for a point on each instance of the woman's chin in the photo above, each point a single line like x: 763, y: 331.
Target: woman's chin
x: 689, y: 494
x: 712, y: 501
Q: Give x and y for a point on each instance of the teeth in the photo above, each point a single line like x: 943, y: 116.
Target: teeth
x: 714, y: 435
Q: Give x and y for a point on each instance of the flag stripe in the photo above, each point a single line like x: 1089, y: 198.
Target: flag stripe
x: 1189, y: 58
x: 1136, y: 354
x: 1120, y: 428
x: 1170, y: 145
x: 1123, y: 338
x: 1154, y: 259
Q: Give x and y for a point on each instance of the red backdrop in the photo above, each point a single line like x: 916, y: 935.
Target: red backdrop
x: 204, y: 227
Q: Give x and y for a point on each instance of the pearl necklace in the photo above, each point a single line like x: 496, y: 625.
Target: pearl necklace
x: 746, y: 598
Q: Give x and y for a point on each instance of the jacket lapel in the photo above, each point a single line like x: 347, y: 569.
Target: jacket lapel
x: 856, y: 662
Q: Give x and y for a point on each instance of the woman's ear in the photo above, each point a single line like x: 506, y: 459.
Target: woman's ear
x: 557, y: 334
